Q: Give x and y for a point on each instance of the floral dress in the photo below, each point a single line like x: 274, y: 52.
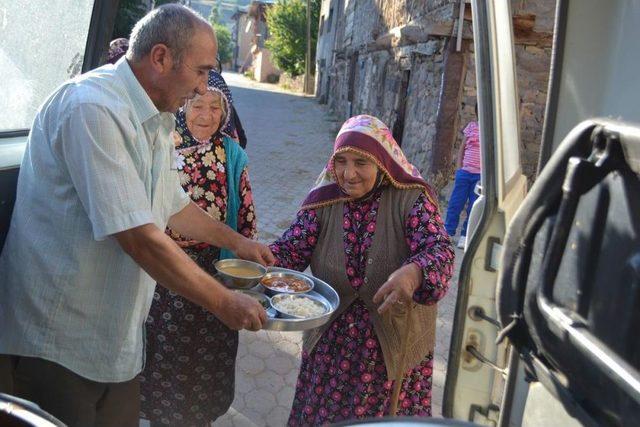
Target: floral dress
x: 189, y: 376
x: 344, y: 376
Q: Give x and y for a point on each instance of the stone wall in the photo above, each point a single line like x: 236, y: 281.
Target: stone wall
x: 533, y: 56
x: 381, y: 72
x: 293, y: 84
x: 391, y: 55
x: 533, y: 59
x: 533, y: 76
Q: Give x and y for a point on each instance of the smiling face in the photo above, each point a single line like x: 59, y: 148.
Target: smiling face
x: 356, y: 174
x: 204, y: 114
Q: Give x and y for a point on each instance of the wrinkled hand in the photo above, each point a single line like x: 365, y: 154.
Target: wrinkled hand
x: 399, y: 287
x: 254, y: 251
x: 239, y: 311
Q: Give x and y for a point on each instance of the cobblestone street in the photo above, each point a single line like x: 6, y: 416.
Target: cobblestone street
x: 289, y: 139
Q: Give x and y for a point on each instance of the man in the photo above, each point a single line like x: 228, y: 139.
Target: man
x: 87, y: 243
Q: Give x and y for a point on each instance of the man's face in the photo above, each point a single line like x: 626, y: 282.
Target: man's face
x: 190, y: 76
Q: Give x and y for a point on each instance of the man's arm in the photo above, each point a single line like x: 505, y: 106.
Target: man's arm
x: 196, y: 224
x: 163, y: 260
x: 93, y: 145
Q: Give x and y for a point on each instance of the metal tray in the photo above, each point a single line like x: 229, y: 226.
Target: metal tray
x: 321, y: 289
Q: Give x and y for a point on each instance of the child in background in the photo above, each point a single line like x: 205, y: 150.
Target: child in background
x: 467, y: 176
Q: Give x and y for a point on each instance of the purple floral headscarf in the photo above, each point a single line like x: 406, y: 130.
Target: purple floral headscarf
x: 370, y: 137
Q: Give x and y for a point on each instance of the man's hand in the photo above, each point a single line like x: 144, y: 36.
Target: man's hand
x: 200, y: 227
x: 239, y: 311
x: 399, y: 287
x: 170, y: 266
x: 254, y: 251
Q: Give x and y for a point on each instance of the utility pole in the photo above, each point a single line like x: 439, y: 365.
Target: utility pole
x: 307, y: 67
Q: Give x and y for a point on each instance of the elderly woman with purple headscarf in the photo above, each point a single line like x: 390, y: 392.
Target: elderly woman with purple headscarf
x: 372, y: 229
x: 189, y: 375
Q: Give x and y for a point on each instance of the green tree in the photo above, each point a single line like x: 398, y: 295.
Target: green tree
x: 225, y: 45
x: 287, y: 23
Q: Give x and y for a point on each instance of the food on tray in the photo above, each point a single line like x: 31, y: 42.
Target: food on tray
x: 262, y: 301
x: 286, y: 284
x: 261, y: 298
x: 299, y: 306
x: 240, y: 271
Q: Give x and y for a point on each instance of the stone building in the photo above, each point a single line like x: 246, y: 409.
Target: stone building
x: 401, y: 61
x: 249, y: 34
x: 242, y: 38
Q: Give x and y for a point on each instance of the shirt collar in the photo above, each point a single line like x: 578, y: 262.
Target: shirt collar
x: 143, y: 106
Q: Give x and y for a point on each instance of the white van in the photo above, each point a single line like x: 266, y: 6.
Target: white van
x: 548, y: 314
x: 553, y: 274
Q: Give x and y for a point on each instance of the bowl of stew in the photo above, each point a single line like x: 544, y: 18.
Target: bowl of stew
x: 286, y: 282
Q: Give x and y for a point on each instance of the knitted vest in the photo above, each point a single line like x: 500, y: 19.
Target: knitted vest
x: 387, y: 253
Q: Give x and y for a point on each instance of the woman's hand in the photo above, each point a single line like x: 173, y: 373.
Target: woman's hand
x: 399, y: 287
x: 253, y: 251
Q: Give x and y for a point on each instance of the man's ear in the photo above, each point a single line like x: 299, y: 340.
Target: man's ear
x: 161, y: 58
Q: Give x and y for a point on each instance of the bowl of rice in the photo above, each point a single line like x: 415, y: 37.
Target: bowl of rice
x: 300, y: 306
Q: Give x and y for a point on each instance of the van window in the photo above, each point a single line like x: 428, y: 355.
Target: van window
x: 43, y: 44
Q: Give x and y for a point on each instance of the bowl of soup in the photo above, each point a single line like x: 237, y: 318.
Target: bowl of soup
x: 239, y: 273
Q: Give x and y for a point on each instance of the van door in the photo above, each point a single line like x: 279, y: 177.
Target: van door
x: 477, y: 366
x: 569, y: 288
x: 39, y: 51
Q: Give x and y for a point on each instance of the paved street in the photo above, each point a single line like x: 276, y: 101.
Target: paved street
x: 289, y: 140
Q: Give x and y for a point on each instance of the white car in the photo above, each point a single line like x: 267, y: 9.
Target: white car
x: 548, y: 311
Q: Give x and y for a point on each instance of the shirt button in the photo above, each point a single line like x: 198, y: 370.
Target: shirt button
x: 370, y: 261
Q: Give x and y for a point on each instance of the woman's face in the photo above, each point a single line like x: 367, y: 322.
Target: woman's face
x: 204, y: 114
x: 356, y: 174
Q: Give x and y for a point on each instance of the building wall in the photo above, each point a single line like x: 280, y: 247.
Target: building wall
x: 263, y: 67
x: 384, y: 80
x: 243, y: 42
x: 533, y: 58
x: 372, y: 66
x: 330, y: 12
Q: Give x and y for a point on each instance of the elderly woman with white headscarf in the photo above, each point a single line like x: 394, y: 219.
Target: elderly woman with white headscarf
x: 190, y: 370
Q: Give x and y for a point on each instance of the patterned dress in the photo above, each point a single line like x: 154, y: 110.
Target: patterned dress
x: 344, y: 376
x: 190, y: 372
